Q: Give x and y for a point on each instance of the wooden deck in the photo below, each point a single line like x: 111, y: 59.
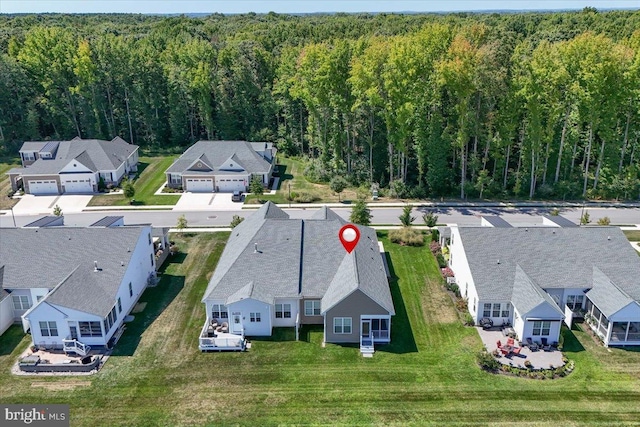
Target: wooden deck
x: 539, y: 359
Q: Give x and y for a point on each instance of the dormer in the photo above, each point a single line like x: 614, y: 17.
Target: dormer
x: 232, y: 164
x: 201, y: 164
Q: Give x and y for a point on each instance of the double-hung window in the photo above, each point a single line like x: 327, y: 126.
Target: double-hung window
x: 283, y: 311
x: 496, y: 309
x: 255, y: 317
x: 541, y: 327
x: 342, y: 325
x: 48, y: 329
x: 312, y: 308
x: 21, y: 302
x: 574, y: 302
x: 219, y: 311
x: 486, y: 312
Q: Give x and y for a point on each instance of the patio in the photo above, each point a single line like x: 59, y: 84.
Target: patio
x: 539, y: 359
x: 45, y: 362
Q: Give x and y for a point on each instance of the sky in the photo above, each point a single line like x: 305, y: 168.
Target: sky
x: 299, y: 6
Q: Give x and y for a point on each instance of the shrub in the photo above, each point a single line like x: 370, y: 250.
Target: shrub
x: 305, y: 198
x: 446, y: 272
x: 468, y: 319
x: 462, y: 304
x: 338, y: 185
x: 407, y: 236
x: 453, y: 288
x: 360, y: 213
x: 430, y: 219
x: 398, y: 189
x: 554, y: 212
x: 10, y: 193
x: 487, y: 361
x: 604, y: 221
x: 441, y: 261
x: 128, y: 189
x: 435, y: 247
x: 236, y: 220
x: 57, y: 210
x: 292, y: 196
x: 255, y: 186
x: 585, y: 218
x: 315, y: 171
x: 435, y: 235
x: 406, y: 219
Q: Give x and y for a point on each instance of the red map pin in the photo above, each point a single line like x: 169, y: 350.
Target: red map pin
x: 349, y: 236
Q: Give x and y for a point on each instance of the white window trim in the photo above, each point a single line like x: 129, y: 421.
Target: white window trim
x: 21, y: 299
x: 255, y: 317
x: 283, y: 311
x: 218, y: 310
x: 342, y: 323
x: 48, y: 328
x: 310, y: 307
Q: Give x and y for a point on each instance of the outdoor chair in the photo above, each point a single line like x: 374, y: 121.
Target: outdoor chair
x: 545, y: 344
x: 511, y: 342
x: 225, y: 327
x: 516, y: 350
x: 532, y: 345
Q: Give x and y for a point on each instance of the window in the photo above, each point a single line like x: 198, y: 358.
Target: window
x: 380, y: 328
x: 505, y: 310
x: 474, y: 304
x: 254, y: 317
x: 312, y: 308
x: 342, y: 325
x: 487, y: 310
x: 119, y: 305
x: 283, y: 311
x: 541, y: 327
x: 451, y: 259
x: 496, y: 310
x: 130, y: 290
x: 149, y: 238
x: 21, y: 302
x: 151, y: 257
x: 49, y: 329
x: 110, y: 319
x: 219, y: 311
x: 39, y: 297
x: 574, y: 302
x: 90, y: 329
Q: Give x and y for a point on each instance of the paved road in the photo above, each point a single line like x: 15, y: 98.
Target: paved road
x: 461, y: 216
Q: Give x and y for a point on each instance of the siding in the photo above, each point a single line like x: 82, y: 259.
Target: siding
x: 309, y: 320
x: 352, y: 306
x: 6, y: 314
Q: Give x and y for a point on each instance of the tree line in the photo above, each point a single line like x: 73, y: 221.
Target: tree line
x: 472, y: 105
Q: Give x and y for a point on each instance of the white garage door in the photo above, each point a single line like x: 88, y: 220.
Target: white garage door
x: 227, y: 185
x: 78, y: 186
x: 201, y: 185
x: 43, y: 187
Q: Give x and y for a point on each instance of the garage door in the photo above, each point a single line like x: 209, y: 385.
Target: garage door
x: 200, y: 185
x: 43, y: 187
x: 227, y: 185
x: 78, y: 186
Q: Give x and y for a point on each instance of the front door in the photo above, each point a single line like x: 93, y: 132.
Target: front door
x: 365, y: 330
x: 236, y: 323
x: 74, y: 332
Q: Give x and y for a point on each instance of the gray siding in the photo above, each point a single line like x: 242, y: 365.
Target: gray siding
x: 309, y: 320
x: 352, y: 306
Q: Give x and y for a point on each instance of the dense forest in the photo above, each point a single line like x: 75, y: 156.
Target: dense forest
x: 429, y: 105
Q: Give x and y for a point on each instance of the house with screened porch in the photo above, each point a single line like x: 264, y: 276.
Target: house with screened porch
x: 536, y: 278
x: 281, y: 272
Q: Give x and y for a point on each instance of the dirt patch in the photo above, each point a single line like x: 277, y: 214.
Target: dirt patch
x: 139, y: 308
x: 60, y: 385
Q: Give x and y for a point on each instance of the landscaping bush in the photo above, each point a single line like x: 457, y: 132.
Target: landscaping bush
x: 604, y: 221
x: 441, y: 261
x: 446, y: 272
x: 453, y: 288
x: 487, y: 361
x: 305, y: 198
x: 468, y: 319
x: 398, y: 189
x: 435, y: 235
x: 407, y: 236
x: 430, y: 219
x: 435, y: 247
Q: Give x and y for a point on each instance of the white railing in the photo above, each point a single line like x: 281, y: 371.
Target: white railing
x: 380, y: 335
x: 74, y: 346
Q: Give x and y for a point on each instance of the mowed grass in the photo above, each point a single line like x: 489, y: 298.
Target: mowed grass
x: 151, y: 176
x: 426, y: 376
x: 632, y: 235
x: 5, y: 183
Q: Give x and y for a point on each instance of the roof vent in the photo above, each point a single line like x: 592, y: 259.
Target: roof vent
x: 608, y: 237
x: 128, y: 249
x: 255, y: 248
x: 498, y: 262
x: 526, y: 229
x: 95, y: 267
x: 122, y: 263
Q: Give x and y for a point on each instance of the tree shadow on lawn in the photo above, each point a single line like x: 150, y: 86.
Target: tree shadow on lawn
x: 157, y: 299
x: 141, y: 167
x: 402, y: 340
x: 571, y: 344
x: 11, y: 339
x: 284, y: 176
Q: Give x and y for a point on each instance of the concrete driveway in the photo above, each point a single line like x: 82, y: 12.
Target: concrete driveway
x: 207, y: 201
x: 43, y: 205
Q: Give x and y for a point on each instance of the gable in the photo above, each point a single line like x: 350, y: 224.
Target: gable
x: 631, y: 312
x: 544, y: 310
x: 75, y: 166
x: 232, y: 164
x: 200, y: 164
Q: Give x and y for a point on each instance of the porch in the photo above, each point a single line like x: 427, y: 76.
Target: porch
x: 539, y: 359
x: 217, y: 338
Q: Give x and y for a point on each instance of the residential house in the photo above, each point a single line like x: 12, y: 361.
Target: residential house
x: 222, y: 166
x: 281, y: 272
x: 535, y: 278
x: 70, y: 285
x: 76, y: 166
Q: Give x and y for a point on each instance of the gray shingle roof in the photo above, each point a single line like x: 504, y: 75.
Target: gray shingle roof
x: 297, y: 258
x: 528, y: 295
x: 218, y: 152
x: 106, y: 221
x: 560, y: 221
x: 46, y: 257
x: 496, y: 221
x: 608, y: 297
x: 96, y: 154
x: 47, y: 221
x: 552, y: 257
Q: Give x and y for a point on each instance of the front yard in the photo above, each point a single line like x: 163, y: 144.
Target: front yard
x: 428, y: 374
x: 5, y: 184
x: 151, y: 176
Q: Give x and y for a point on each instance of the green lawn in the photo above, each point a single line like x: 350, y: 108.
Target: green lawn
x: 5, y: 184
x: 427, y: 376
x: 632, y: 235
x: 151, y: 176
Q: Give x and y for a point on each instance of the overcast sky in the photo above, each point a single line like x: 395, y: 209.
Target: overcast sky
x: 301, y: 6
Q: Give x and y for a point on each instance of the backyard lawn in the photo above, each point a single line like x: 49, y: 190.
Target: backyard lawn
x: 151, y: 176
x: 427, y: 376
x: 5, y: 184
x: 632, y: 235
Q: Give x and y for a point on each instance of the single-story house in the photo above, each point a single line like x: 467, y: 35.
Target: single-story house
x: 73, y: 286
x: 281, y: 272
x: 535, y: 278
x: 222, y: 166
x: 76, y: 166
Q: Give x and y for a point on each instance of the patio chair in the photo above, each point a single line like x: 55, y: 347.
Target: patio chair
x: 511, y: 342
x: 225, y: 327
x: 545, y: 345
x: 499, y: 343
x: 532, y: 345
x: 516, y: 350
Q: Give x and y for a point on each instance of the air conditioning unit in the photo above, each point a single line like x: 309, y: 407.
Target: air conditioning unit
x: 451, y: 280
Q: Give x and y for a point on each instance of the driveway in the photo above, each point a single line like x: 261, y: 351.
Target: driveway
x: 207, y: 201
x: 43, y: 205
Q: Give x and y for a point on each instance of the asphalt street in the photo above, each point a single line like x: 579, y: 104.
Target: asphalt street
x: 388, y: 216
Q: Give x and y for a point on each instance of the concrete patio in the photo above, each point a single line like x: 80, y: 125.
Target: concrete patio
x: 539, y: 359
